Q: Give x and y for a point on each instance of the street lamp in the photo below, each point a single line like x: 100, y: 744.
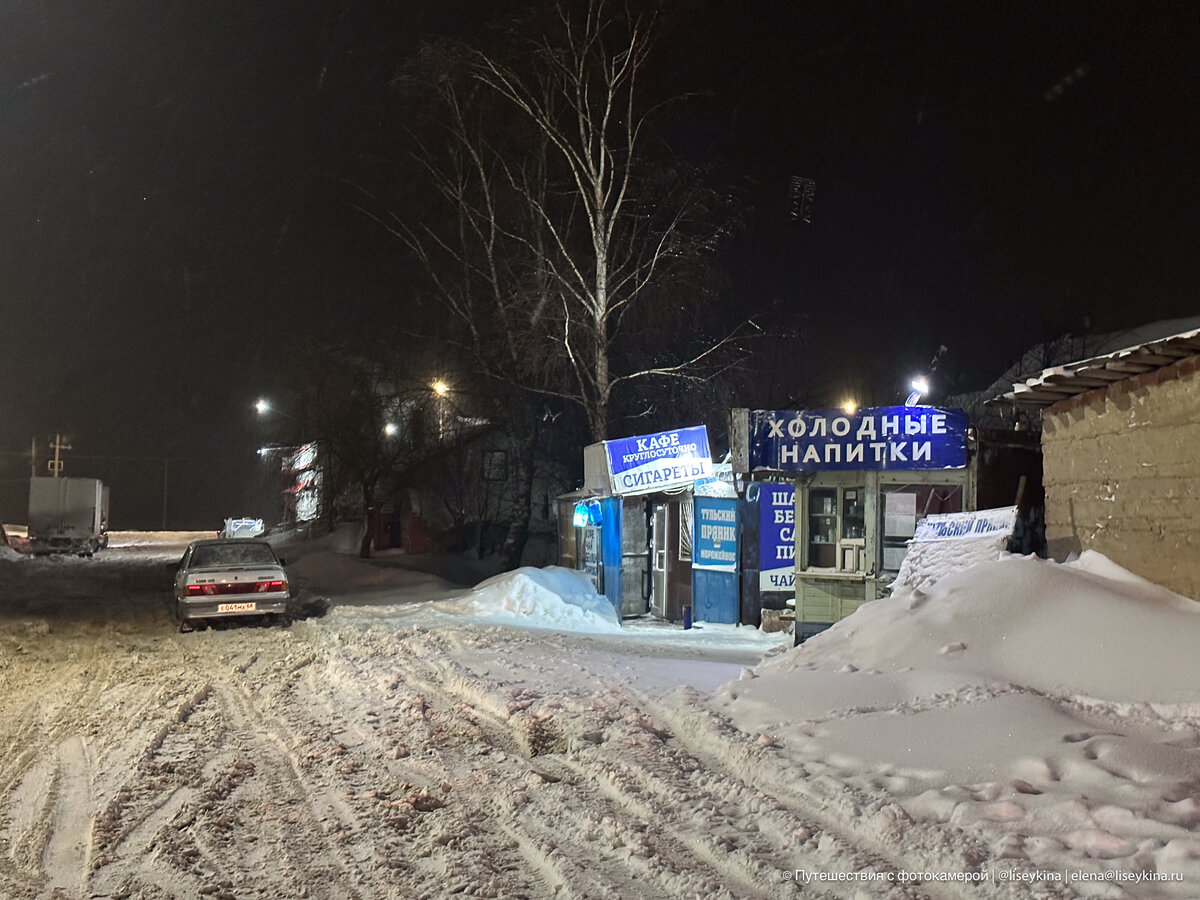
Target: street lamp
x: 440, y: 388
x: 262, y: 406
x: 920, y: 387
x: 390, y: 429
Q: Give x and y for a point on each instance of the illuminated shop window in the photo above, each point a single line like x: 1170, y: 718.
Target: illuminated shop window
x: 836, y: 528
x: 822, y: 528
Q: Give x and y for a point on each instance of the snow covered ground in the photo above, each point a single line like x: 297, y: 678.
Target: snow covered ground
x: 1022, y: 729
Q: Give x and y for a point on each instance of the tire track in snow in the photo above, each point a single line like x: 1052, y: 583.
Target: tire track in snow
x: 279, y: 787
x: 465, y: 839
x: 737, y: 854
x: 631, y: 788
x: 876, y: 827
x: 535, y: 833
x: 48, y: 771
x: 180, y: 805
x: 660, y: 832
x: 65, y: 860
x: 446, y: 837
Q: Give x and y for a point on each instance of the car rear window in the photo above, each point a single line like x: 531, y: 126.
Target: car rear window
x: 241, y: 553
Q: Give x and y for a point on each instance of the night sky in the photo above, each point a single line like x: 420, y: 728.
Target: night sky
x: 174, y: 213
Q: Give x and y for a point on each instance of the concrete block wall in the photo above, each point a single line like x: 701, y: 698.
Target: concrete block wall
x: 1122, y: 475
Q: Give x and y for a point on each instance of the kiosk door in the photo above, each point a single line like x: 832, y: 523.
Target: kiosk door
x: 660, y: 547
x: 635, y: 565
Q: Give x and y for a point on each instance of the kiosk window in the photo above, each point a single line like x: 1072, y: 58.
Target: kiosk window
x: 903, y: 507
x: 899, y: 524
x: 853, y: 514
x: 822, y: 528
x: 836, y: 528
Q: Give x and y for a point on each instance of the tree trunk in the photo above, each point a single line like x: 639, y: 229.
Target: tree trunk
x: 598, y: 408
x: 364, y: 546
x: 518, y: 529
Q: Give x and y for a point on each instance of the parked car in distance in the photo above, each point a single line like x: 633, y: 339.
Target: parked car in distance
x: 242, y: 528
x: 230, y: 577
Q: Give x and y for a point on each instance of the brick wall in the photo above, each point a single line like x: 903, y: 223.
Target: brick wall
x: 1122, y: 475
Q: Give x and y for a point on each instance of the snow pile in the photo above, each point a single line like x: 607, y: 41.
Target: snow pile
x: 1087, y: 628
x: 940, y: 547
x: 554, y: 597
x: 157, y: 541
x: 1053, y: 710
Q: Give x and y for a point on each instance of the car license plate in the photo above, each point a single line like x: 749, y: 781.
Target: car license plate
x: 237, y: 607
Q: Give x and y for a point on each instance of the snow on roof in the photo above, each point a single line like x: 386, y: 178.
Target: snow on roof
x: 1061, y: 382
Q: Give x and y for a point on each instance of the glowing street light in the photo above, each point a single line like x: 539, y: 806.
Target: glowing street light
x: 920, y: 387
x: 265, y: 407
x: 390, y: 429
x: 440, y: 388
x: 849, y: 406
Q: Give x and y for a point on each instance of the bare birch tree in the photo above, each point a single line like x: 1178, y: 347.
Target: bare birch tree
x: 564, y: 219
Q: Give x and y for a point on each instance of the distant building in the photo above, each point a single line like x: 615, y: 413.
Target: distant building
x: 1121, y: 470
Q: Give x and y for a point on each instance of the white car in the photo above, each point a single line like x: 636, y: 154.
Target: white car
x: 231, y: 577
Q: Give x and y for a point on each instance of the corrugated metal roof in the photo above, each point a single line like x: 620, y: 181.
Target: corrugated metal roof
x: 1061, y: 382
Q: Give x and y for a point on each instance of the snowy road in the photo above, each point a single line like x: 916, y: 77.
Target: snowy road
x: 403, y: 749
x: 347, y: 758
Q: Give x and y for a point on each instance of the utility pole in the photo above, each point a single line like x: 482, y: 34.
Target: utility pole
x: 58, y: 446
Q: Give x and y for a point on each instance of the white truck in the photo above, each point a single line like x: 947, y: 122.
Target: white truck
x: 67, y: 515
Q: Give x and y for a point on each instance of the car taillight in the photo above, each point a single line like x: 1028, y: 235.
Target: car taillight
x: 236, y: 587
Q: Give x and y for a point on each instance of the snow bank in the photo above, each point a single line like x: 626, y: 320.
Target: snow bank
x: 554, y: 597
x: 1087, y: 628
x: 939, y: 549
x: 551, y: 598
x: 1052, y: 710
x: 159, y: 540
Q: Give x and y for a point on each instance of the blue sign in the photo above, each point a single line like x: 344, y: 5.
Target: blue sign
x: 656, y: 462
x: 885, y: 437
x: 777, y: 537
x: 715, y: 541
